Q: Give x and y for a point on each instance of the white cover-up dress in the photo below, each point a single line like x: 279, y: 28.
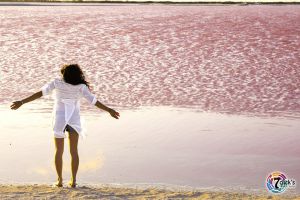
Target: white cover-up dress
x: 66, y: 110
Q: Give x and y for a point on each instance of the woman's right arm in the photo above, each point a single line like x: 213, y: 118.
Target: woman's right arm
x: 17, y: 104
x: 45, y: 90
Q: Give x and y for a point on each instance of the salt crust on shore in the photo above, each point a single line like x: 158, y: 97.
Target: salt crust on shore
x: 43, y: 191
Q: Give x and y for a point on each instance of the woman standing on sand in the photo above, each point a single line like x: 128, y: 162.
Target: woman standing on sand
x: 69, y: 89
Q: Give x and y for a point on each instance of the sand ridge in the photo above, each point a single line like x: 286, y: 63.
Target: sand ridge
x: 44, y: 191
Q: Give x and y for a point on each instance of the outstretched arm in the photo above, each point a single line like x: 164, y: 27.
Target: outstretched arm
x: 17, y: 104
x: 112, y: 112
x: 92, y: 99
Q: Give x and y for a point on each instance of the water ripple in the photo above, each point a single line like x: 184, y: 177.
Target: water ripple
x: 216, y: 58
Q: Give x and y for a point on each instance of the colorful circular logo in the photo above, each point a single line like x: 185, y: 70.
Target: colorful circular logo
x: 276, y: 182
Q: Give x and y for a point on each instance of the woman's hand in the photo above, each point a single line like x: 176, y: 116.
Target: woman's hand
x: 16, y: 105
x: 114, y: 113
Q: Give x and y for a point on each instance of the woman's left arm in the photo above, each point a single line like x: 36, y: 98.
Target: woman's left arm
x: 17, y: 104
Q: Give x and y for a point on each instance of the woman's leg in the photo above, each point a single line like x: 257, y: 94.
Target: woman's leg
x: 73, y: 141
x: 59, y: 145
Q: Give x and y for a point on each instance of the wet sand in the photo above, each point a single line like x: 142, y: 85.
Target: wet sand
x: 154, y: 145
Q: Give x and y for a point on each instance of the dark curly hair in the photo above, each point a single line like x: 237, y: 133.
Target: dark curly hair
x: 73, y: 74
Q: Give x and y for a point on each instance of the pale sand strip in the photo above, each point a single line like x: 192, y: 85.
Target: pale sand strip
x: 38, y: 191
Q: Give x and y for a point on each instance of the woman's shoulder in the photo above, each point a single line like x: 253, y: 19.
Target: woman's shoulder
x: 62, y: 82
x: 57, y: 79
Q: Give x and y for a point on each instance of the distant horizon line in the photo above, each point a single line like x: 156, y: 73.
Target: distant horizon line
x: 244, y: 2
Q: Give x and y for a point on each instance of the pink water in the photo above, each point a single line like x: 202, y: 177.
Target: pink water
x: 235, y: 68
x: 233, y: 59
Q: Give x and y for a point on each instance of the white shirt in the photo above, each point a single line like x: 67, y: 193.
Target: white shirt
x: 67, y: 105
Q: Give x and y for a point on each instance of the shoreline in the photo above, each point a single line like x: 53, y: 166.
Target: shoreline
x: 120, y: 191
x: 80, y: 2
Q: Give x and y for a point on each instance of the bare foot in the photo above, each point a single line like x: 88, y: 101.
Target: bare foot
x: 58, y: 184
x: 72, y: 184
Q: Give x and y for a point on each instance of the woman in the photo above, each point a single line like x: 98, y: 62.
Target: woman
x: 69, y: 89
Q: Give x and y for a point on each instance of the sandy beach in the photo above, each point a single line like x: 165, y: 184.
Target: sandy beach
x: 43, y: 191
x: 208, y: 98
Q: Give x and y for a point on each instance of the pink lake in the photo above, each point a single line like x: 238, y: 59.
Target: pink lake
x: 209, y: 95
